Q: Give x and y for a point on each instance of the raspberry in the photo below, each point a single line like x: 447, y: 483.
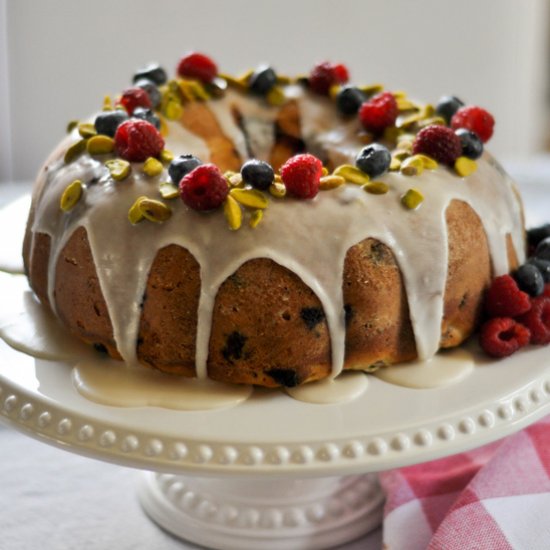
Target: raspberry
x: 136, y: 140
x: 134, y: 97
x: 537, y: 320
x: 475, y: 119
x: 505, y: 299
x: 546, y: 290
x: 439, y: 143
x: 341, y: 73
x: 199, y: 66
x: 379, y: 112
x: 204, y: 188
x: 326, y: 74
x: 502, y: 336
x: 301, y: 175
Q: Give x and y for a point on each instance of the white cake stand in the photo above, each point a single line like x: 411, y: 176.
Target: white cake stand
x: 273, y: 472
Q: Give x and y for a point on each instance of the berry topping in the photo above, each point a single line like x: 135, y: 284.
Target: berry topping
x: 349, y: 99
x: 341, y: 73
x: 503, y: 336
x: 536, y: 234
x: 476, y: 119
x: 529, y: 279
x: 204, y: 188
x: 199, y: 66
x: 152, y: 91
x: 107, y: 122
x: 148, y: 115
x: 258, y: 173
x: 262, y: 80
x: 153, y: 72
x: 374, y: 160
x: 379, y: 112
x: 505, y: 299
x: 542, y: 252
x: 134, y: 97
x: 537, y: 320
x: 326, y: 74
x: 136, y: 140
x: 181, y: 166
x: 438, y: 142
x: 543, y: 266
x: 472, y: 146
x: 301, y: 175
x: 447, y: 106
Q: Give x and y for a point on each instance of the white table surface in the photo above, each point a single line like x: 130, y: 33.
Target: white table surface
x: 54, y: 500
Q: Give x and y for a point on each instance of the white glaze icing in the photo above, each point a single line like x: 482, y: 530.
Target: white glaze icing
x: 347, y: 387
x: 123, y: 253
x: 109, y: 382
x: 442, y: 369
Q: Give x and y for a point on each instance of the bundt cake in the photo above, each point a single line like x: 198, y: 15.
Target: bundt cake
x: 270, y: 230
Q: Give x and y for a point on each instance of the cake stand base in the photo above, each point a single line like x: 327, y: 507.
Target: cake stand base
x: 272, y: 514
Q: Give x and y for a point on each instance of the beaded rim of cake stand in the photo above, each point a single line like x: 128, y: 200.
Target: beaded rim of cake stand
x: 82, y: 434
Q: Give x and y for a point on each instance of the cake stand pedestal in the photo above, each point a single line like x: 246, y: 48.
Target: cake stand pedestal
x: 273, y: 472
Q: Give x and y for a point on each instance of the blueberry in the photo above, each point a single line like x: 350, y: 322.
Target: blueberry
x: 529, y: 279
x: 349, y: 99
x: 288, y: 378
x: 258, y: 173
x: 537, y: 234
x: 542, y: 251
x: 153, y: 72
x: 312, y: 316
x: 447, y: 106
x: 262, y: 80
x: 374, y: 160
x: 543, y: 266
x: 472, y: 146
x: 148, y: 115
x: 107, y: 122
x: 234, y: 344
x: 181, y: 166
x: 152, y: 91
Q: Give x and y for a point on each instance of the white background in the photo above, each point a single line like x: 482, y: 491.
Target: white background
x: 59, y: 57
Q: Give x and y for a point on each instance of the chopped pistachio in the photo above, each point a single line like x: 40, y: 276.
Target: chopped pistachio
x: 168, y: 190
x: 166, y: 156
x: 276, y: 96
x: 154, y: 211
x: 412, y: 166
x: 412, y: 199
x: 330, y: 182
x: 277, y: 189
x: 256, y: 218
x: 71, y: 125
x: 120, y: 169
x: 376, y: 187
x: 86, y: 129
x: 75, y: 150
x: 352, y: 174
x: 100, y: 145
x: 152, y: 167
x: 249, y: 197
x: 135, y: 214
x: 71, y: 196
x: 395, y: 164
x: 233, y: 213
x: 465, y: 166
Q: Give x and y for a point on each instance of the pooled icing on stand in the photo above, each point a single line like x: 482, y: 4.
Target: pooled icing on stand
x: 123, y: 253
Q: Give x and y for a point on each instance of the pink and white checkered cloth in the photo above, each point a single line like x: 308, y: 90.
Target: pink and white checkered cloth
x: 493, y: 498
